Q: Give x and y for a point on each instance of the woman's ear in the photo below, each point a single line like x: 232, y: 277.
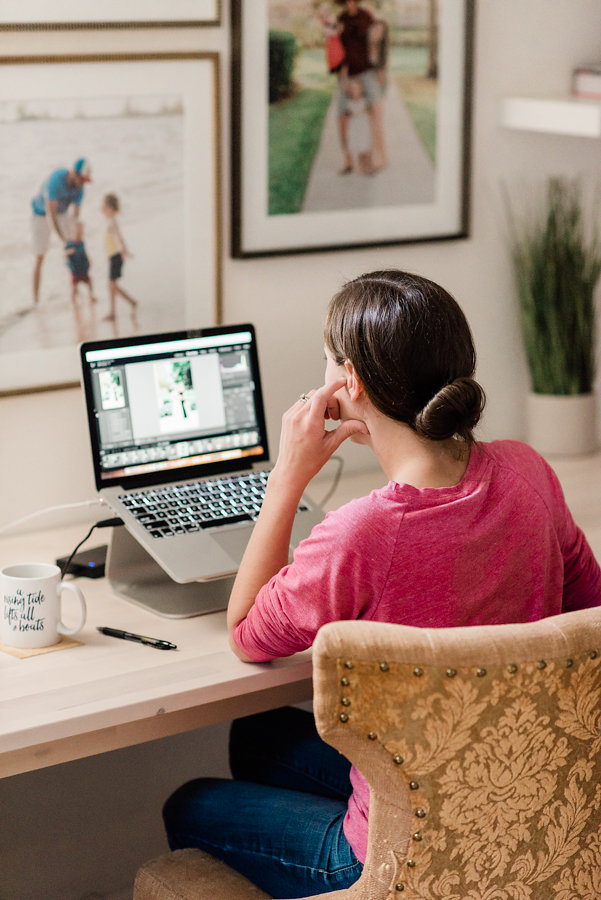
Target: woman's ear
x: 354, y: 385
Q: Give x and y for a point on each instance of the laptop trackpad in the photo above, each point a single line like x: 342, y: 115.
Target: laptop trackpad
x: 233, y: 541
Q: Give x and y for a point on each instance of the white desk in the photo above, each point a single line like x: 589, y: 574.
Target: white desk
x: 110, y: 693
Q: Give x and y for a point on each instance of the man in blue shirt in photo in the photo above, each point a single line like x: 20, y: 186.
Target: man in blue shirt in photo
x: 55, y: 205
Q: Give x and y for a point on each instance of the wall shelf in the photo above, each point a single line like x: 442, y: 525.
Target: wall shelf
x: 570, y: 115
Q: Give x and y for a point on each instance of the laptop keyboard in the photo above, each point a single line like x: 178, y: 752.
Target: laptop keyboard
x: 183, y: 508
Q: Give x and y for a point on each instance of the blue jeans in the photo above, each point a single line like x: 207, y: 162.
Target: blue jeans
x: 279, y: 822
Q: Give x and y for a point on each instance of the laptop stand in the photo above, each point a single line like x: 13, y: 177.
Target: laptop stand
x: 137, y: 577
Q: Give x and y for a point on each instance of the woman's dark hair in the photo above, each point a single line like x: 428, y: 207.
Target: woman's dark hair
x: 412, y: 348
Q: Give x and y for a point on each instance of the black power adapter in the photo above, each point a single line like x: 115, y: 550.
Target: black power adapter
x: 87, y: 564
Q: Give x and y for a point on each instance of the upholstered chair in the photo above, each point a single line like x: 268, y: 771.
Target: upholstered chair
x: 482, y: 749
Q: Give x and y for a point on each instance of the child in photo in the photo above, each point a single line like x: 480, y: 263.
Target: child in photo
x: 78, y: 260
x: 116, y: 252
x: 358, y: 131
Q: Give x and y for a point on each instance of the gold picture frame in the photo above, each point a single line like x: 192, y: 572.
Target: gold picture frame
x: 149, y: 124
x: 36, y: 14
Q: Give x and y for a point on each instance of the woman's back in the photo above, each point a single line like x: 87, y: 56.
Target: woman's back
x: 500, y: 546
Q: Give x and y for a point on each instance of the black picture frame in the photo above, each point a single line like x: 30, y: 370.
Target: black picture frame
x: 422, y: 195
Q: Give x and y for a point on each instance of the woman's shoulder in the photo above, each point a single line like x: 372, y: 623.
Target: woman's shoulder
x: 518, y: 459
x: 510, y: 452
x: 363, y: 513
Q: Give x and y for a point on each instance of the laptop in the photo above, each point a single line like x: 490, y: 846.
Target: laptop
x: 179, y: 445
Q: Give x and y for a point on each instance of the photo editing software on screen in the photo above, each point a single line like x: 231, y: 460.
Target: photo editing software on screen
x: 174, y: 404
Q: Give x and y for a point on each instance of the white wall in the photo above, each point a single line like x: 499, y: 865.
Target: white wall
x: 521, y: 48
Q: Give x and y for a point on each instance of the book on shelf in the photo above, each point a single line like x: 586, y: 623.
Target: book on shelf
x: 586, y: 81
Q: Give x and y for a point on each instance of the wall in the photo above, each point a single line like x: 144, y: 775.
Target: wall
x: 521, y: 48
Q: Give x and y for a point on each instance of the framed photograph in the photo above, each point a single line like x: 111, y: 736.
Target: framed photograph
x: 351, y: 123
x: 108, y: 14
x: 110, y: 214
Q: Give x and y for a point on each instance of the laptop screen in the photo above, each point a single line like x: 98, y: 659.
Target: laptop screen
x: 168, y: 407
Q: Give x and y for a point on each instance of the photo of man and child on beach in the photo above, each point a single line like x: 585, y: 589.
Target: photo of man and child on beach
x: 91, y: 226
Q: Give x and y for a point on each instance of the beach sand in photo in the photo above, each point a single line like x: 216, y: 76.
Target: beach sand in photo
x: 154, y: 276
x: 140, y: 158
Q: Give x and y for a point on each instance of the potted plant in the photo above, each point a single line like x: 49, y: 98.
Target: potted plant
x: 556, y: 256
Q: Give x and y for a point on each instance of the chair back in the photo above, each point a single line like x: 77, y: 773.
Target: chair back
x: 481, y: 747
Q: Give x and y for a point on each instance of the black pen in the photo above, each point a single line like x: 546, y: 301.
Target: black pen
x: 139, y: 638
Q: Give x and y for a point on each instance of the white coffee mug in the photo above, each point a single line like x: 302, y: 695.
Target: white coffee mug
x: 31, y: 614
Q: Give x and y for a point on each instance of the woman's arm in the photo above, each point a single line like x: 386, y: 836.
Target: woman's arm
x: 305, y: 446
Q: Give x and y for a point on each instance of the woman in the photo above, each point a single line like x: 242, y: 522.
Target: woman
x: 462, y: 534
x: 358, y: 30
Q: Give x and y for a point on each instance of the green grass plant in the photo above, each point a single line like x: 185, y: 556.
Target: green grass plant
x: 556, y: 256
x: 295, y: 129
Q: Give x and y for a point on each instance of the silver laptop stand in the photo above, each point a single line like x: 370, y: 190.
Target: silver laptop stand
x: 136, y: 576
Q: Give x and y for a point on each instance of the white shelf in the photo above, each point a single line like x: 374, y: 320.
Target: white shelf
x: 572, y: 116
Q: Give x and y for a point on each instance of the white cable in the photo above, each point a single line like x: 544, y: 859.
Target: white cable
x: 340, y: 463
x: 41, y: 512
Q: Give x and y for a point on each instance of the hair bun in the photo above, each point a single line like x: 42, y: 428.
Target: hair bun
x: 454, y: 410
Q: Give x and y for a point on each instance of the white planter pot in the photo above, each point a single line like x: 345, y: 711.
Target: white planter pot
x: 562, y: 426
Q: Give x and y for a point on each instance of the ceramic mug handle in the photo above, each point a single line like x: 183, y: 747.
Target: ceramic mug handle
x: 67, y: 586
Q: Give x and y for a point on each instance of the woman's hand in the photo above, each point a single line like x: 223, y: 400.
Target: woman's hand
x: 305, y: 446
x: 305, y: 443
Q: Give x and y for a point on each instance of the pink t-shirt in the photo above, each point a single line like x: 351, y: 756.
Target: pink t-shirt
x: 501, y: 546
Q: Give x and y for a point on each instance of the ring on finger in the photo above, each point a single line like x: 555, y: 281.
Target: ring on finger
x: 304, y: 398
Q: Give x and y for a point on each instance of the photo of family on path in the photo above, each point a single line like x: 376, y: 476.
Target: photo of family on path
x: 92, y: 227
x: 353, y: 95
x: 354, y: 123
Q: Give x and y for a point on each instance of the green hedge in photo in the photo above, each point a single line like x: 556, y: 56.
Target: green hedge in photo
x: 282, y: 55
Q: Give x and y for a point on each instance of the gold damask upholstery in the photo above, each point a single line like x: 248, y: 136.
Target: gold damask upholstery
x: 481, y: 747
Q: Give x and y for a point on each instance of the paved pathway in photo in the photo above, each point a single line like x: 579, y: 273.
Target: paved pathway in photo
x: 409, y: 177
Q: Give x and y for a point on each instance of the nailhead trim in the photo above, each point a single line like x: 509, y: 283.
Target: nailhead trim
x: 398, y: 759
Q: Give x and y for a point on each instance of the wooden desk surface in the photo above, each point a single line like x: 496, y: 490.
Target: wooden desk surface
x: 110, y: 693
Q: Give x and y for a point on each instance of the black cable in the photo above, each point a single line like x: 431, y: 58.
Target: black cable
x: 104, y: 523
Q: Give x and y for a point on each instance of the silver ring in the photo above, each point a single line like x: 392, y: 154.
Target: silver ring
x: 304, y: 398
